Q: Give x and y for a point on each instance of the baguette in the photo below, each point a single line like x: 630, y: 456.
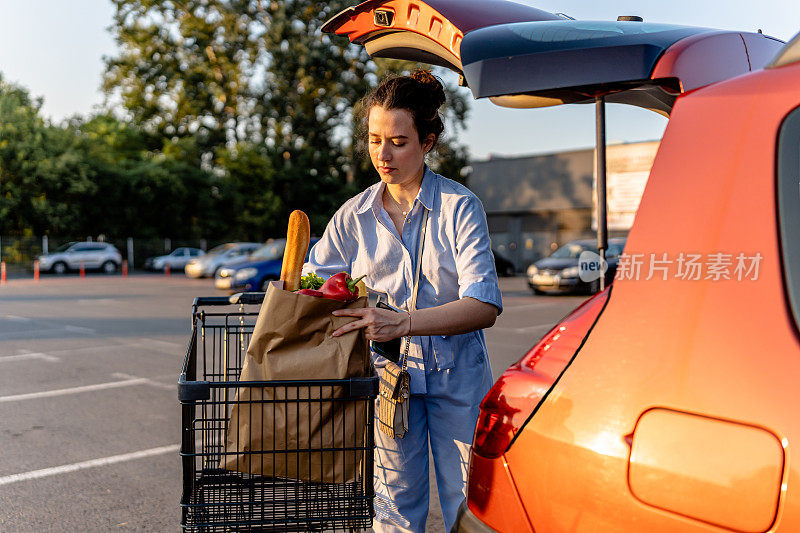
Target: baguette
x: 298, y: 237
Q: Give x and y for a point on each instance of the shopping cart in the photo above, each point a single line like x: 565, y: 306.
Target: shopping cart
x: 215, y: 499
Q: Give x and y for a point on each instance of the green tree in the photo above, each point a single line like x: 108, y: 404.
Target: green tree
x: 249, y: 79
x: 43, y: 178
x: 143, y: 192
x: 102, y: 175
x: 186, y: 68
x: 255, y: 205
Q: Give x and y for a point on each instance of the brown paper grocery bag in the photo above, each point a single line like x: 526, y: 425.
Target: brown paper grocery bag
x: 292, y: 341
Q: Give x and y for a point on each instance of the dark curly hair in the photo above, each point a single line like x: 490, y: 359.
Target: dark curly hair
x: 420, y: 93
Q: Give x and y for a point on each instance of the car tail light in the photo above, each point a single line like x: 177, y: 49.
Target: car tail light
x: 514, y: 396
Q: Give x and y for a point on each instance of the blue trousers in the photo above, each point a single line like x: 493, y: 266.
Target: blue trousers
x: 445, y: 416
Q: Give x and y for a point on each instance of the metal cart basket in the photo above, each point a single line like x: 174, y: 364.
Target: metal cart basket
x: 215, y: 499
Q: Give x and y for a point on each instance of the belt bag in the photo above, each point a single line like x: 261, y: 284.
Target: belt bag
x: 394, y: 399
x: 394, y: 391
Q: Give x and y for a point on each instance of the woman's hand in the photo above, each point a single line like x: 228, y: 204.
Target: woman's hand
x: 454, y: 318
x: 379, y: 325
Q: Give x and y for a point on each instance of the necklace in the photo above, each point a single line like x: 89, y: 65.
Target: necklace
x: 399, y: 206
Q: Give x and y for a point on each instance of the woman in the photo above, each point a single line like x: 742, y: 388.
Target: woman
x: 376, y: 234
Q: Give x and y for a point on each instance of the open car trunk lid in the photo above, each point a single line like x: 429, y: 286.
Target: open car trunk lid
x: 520, y: 56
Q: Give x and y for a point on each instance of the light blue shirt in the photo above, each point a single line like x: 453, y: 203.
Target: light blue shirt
x: 457, y: 262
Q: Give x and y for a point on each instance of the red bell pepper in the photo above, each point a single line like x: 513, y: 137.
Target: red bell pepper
x: 310, y: 292
x: 340, y: 287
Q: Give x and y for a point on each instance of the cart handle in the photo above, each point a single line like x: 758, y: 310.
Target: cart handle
x: 247, y: 298
x: 238, y: 298
x: 195, y: 391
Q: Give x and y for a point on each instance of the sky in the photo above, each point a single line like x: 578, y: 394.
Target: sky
x: 55, y: 49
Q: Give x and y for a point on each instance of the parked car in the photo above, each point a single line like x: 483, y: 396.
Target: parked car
x: 668, y: 401
x: 255, y: 273
x: 225, y: 254
x: 560, y: 271
x: 503, y: 266
x: 92, y: 255
x: 177, y: 259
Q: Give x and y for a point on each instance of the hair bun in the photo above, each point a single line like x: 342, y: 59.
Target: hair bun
x: 420, y: 93
x: 432, y: 84
x: 424, y: 76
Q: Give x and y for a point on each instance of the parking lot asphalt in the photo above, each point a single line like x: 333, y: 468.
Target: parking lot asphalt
x: 89, y: 415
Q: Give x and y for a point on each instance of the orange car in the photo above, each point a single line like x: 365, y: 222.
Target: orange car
x: 668, y: 401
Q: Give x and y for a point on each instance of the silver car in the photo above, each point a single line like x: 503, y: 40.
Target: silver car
x: 91, y: 255
x: 222, y: 255
x: 176, y: 259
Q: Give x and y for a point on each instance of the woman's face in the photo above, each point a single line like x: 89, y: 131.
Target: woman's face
x: 394, y: 145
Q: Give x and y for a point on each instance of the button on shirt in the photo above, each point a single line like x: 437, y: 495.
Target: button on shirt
x: 457, y: 262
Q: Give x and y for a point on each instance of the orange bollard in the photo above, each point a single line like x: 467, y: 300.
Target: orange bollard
x: 166, y: 270
x: 83, y: 270
x: 36, y: 270
x: 124, y: 267
x: 2, y: 272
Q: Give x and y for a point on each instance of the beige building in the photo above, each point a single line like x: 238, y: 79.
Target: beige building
x: 537, y: 203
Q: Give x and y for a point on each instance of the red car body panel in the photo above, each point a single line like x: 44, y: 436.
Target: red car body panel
x: 726, y: 350
x: 495, y: 496
x: 711, y: 57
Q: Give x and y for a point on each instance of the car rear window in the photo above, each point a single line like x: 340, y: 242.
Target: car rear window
x: 273, y: 250
x: 570, y: 251
x: 615, y: 249
x: 564, y: 31
x: 555, y: 35
x: 89, y: 248
x: 789, y: 207
x: 221, y: 248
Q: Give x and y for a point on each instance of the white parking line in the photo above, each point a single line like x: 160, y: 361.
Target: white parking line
x: 105, y: 461
x: 145, y: 341
x: 146, y: 381
x: 17, y: 318
x: 40, y: 333
x: 98, y: 301
x: 79, y: 329
x: 73, y: 390
x: 156, y: 345
x: 28, y: 355
x: 113, y: 349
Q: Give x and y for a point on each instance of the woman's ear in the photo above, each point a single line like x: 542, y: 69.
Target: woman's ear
x: 428, y: 142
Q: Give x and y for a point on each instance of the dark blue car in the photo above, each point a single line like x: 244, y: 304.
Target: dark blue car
x: 255, y: 273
